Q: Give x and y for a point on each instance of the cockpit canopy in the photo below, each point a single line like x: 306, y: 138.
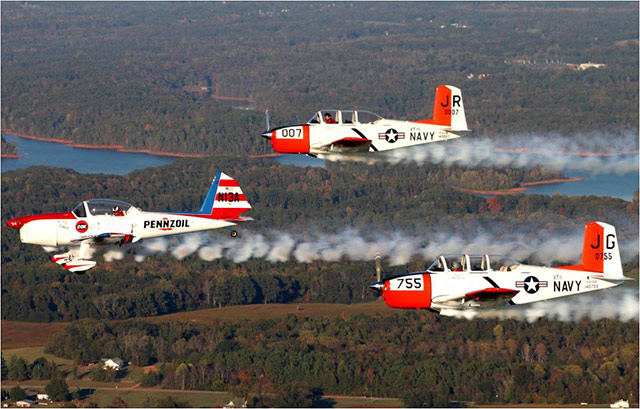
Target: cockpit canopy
x: 472, y: 263
x: 346, y: 117
x: 101, y: 207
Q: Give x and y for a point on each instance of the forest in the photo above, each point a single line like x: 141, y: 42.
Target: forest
x: 132, y: 75
x: 425, y: 359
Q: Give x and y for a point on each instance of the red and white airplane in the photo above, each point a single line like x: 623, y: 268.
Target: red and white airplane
x: 460, y: 282
x: 98, y: 222
x: 332, y: 131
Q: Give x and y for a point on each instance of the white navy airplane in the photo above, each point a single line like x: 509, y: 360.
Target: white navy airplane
x: 463, y: 282
x: 332, y: 132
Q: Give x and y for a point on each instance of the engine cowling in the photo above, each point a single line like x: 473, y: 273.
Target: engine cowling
x: 412, y: 291
x: 291, y: 139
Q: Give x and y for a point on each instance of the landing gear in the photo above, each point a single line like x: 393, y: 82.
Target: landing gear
x: 234, y: 234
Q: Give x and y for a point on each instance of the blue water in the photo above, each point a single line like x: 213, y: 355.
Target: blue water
x: 82, y: 160
x: 605, y: 184
x: 113, y: 162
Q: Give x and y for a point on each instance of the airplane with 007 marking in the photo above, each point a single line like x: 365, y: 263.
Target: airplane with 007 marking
x: 332, y: 132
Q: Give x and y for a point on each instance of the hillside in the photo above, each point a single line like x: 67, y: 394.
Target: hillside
x: 196, y: 77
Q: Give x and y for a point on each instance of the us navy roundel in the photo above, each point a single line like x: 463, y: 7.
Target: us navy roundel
x: 531, y: 284
x: 391, y: 135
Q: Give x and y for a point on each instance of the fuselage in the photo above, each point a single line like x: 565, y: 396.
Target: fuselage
x: 445, y: 290
x: 387, y: 134
x: 68, y: 229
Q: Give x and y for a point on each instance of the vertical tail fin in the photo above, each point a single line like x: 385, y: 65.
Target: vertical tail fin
x: 225, y: 199
x: 600, y: 250
x: 448, y: 109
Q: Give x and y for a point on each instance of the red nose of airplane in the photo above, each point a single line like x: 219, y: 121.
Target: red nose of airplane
x: 16, y: 223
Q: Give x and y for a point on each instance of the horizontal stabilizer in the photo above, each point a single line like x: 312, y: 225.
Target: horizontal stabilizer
x: 79, y: 265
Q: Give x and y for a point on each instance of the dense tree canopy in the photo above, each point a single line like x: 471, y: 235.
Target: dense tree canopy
x: 132, y: 74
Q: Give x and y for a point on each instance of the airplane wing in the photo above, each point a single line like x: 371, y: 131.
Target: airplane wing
x: 490, y: 297
x: 108, y: 238
x: 347, y: 145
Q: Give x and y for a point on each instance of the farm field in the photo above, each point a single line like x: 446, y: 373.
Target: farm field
x: 27, y: 339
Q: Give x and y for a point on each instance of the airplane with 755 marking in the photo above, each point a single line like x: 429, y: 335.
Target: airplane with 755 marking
x: 468, y: 282
x: 98, y: 222
x: 347, y: 132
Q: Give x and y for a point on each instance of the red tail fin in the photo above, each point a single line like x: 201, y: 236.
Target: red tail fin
x: 448, y: 109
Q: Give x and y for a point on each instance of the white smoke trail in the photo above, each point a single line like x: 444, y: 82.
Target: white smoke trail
x: 591, y: 154
x: 542, y: 246
x: 113, y: 255
x: 616, y: 303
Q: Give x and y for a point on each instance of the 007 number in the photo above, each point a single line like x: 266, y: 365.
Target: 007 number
x: 292, y: 133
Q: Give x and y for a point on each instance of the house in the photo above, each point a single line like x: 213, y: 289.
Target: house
x: 42, y: 396
x: 236, y: 403
x: 113, y: 363
x: 25, y: 403
x: 620, y: 404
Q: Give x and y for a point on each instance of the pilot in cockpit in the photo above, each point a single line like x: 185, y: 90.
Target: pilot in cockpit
x: 328, y: 119
x: 117, y: 211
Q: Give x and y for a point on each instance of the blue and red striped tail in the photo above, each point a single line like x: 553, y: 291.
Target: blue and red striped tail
x: 225, y: 199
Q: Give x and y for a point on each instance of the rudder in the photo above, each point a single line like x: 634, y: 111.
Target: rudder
x: 225, y: 199
x: 448, y: 109
x: 600, y: 250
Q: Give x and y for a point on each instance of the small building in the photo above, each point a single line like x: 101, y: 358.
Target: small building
x: 620, y: 404
x: 25, y: 403
x: 42, y: 396
x: 113, y: 363
x: 236, y: 403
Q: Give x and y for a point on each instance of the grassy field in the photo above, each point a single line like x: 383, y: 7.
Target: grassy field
x: 19, y: 334
x: 136, y: 399
x: 269, y: 311
x: 30, y: 354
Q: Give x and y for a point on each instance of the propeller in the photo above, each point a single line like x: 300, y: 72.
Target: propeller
x: 378, y: 284
x: 266, y: 114
x: 267, y: 133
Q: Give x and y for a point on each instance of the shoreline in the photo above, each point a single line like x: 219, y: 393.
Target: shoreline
x: 11, y: 156
x: 522, y: 188
x: 118, y: 148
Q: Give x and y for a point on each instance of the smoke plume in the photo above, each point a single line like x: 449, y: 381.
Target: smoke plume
x: 591, y: 154
x: 615, y: 303
x: 397, y: 248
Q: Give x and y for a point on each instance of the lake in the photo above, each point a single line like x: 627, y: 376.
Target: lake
x: 603, y: 184
x: 109, y: 161
x: 82, y: 160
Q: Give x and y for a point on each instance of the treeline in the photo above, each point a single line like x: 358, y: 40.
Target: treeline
x: 434, y: 360
x: 18, y: 369
x: 125, y: 78
x: 412, y: 200
x: 8, y: 148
